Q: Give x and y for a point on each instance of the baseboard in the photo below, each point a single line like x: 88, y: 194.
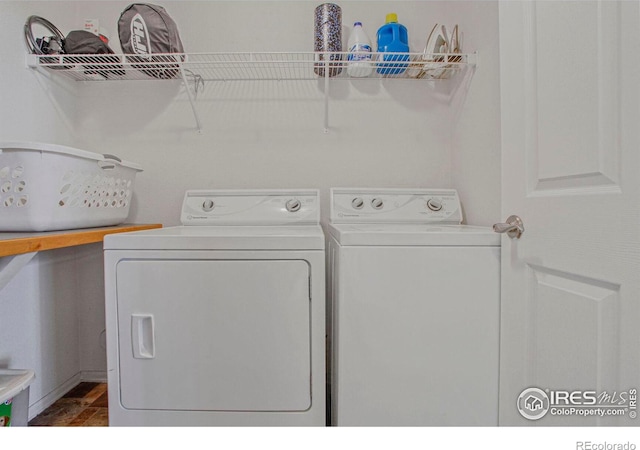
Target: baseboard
x: 49, y: 399
x: 94, y: 376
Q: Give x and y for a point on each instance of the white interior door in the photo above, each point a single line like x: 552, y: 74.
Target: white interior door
x: 570, y: 78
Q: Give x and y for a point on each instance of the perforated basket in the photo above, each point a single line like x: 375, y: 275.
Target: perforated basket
x: 46, y: 187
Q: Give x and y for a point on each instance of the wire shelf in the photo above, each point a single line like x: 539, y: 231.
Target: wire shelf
x: 250, y: 66
x: 193, y: 69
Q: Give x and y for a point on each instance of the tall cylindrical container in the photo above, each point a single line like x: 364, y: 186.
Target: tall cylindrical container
x: 328, y: 38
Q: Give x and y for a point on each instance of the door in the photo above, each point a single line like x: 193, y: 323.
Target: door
x: 570, y: 333
x: 214, y: 335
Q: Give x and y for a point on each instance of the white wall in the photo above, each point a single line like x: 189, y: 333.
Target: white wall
x: 476, y: 135
x: 40, y: 327
x: 399, y: 133
x: 39, y: 322
x: 269, y: 134
x: 29, y: 108
x: 266, y: 134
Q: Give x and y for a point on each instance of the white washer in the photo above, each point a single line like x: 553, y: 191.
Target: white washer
x: 415, y: 310
x: 220, y: 321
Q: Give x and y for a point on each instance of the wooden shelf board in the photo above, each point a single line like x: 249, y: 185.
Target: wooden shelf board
x: 18, y: 243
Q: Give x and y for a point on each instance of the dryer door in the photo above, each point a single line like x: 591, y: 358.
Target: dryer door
x: 214, y: 335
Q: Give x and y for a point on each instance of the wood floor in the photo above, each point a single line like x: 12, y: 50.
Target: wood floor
x: 83, y: 406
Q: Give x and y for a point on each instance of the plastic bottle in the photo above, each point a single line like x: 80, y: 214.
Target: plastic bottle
x: 393, y: 38
x: 359, y: 52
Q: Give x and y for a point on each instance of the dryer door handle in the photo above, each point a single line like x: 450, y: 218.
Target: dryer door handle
x: 143, y: 336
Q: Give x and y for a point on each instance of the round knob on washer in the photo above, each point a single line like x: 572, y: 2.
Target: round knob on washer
x: 293, y: 205
x: 357, y: 203
x: 208, y: 205
x: 377, y: 203
x: 434, y: 204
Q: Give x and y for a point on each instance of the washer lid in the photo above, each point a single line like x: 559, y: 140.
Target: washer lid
x: 293, y: 237
x: 413, y: 234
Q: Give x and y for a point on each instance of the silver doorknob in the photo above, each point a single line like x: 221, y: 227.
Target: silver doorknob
x: 513, y: 227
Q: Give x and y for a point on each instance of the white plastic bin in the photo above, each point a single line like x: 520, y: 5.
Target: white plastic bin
x: 46, y: 187
x: 14, y: 397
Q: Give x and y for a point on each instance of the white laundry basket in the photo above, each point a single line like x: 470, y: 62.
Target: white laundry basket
x: 46, y: 187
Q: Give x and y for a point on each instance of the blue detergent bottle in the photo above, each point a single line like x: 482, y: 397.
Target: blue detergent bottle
x: 393, y: 38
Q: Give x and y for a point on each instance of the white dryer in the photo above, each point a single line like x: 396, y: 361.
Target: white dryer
x: 415, y: 310
x: 220, y: 321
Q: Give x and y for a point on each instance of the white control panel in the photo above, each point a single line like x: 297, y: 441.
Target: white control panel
x: 251, y: 207
x: 395, y: 206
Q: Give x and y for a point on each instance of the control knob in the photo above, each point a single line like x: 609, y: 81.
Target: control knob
x: 208, y: 205
x: 434, y: 204
x: 357, y: 203
x: 377, y: 203
x: 293, y: 205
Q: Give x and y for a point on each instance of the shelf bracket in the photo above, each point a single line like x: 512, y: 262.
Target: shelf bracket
x: 11, y: 265
x: 195, y: 81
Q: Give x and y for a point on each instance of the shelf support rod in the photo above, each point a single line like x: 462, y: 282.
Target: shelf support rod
x: 11, y: 265
x: 326, y: 93
x: 191, y: 98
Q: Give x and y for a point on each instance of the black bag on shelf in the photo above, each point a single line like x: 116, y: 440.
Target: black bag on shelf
x: 77, y: 42
x: 81, y: 42
x: 145, y: 30
x: 84, y: 42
